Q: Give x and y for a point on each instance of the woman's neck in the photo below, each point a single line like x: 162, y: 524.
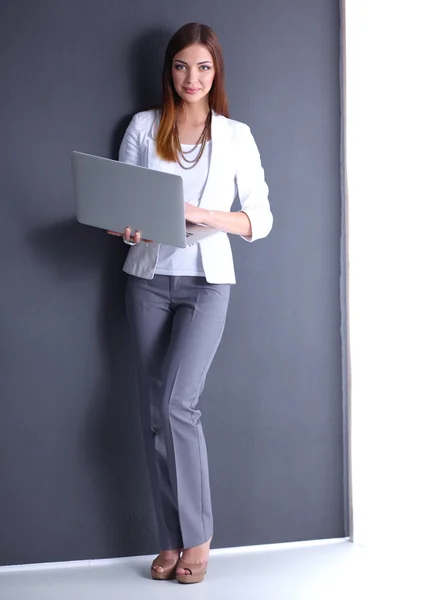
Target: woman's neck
x: 194, y: 114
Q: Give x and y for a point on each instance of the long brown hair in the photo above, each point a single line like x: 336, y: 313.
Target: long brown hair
x: 191, y: 33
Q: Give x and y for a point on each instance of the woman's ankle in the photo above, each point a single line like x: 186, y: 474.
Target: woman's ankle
x: 171, y: 552
x: 208, y: 542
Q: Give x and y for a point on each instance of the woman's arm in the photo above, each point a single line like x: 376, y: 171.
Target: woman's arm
x: 130, y: 153
x: 255, y: 219
x: 251, y: 185
x: 230, y: 222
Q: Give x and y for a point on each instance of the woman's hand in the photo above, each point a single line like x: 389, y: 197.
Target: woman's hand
x: 230, y: 222
x: 127, y: 235
x: 194, y: 214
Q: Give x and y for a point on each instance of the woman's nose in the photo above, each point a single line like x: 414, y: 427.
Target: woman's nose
x: 192, y: 76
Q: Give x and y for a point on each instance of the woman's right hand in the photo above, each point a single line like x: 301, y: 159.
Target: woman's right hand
x: 127, y: 236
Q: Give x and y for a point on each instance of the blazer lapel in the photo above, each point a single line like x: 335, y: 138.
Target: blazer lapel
x: 216, y: 160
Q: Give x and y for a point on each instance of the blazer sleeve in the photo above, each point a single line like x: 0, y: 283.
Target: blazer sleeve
x: 251, y: 185
x: 130, y: 148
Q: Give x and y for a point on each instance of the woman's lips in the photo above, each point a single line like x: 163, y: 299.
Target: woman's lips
x: 191, y: 90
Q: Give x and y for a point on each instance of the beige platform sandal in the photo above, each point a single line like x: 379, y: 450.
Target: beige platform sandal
x: 198, y: 572
x: 168, y: 565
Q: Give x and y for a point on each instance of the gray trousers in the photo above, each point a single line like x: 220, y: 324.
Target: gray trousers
x: 176, y: 326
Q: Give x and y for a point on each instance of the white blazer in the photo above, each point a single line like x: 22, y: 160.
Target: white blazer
x: 235, y: 168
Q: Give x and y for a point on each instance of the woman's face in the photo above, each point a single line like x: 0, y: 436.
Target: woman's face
x: 193, y: 72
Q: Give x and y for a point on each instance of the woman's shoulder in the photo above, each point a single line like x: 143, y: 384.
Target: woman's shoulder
x: 145, y: 119
x: 237, y: 129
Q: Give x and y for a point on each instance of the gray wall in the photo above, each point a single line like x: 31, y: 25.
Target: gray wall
x: 73, y: 477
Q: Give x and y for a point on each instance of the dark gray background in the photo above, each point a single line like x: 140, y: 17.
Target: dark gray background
x: 73, y: 477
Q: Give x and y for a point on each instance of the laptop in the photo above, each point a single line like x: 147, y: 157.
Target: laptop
x: 112, y: 195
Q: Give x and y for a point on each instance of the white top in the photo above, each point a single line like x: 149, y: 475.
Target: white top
x: 187, y: 261
x: 235, y: 170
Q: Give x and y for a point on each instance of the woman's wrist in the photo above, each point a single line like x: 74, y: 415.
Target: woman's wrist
x: 232, y: 222
x: 206, y: 217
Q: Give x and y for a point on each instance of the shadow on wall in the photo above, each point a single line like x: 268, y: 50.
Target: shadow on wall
x: 146, y: 63
x: 109, y: 438
x: 112, y: 445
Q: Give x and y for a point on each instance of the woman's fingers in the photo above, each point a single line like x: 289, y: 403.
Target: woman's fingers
x: 138, y: 238
x: 127, y: 235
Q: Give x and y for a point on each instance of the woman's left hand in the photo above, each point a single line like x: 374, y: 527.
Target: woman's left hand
x: 230, y: 222
x: 194, y: 214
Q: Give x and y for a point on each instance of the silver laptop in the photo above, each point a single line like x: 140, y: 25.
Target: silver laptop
x: 113, y: 195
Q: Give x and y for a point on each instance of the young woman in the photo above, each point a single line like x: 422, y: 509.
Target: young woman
x: 177, y: 299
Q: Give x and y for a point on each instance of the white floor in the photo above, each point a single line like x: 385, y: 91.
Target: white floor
x: 333, y: 570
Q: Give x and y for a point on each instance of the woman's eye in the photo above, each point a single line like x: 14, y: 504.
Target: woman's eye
x: 179, y: 67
